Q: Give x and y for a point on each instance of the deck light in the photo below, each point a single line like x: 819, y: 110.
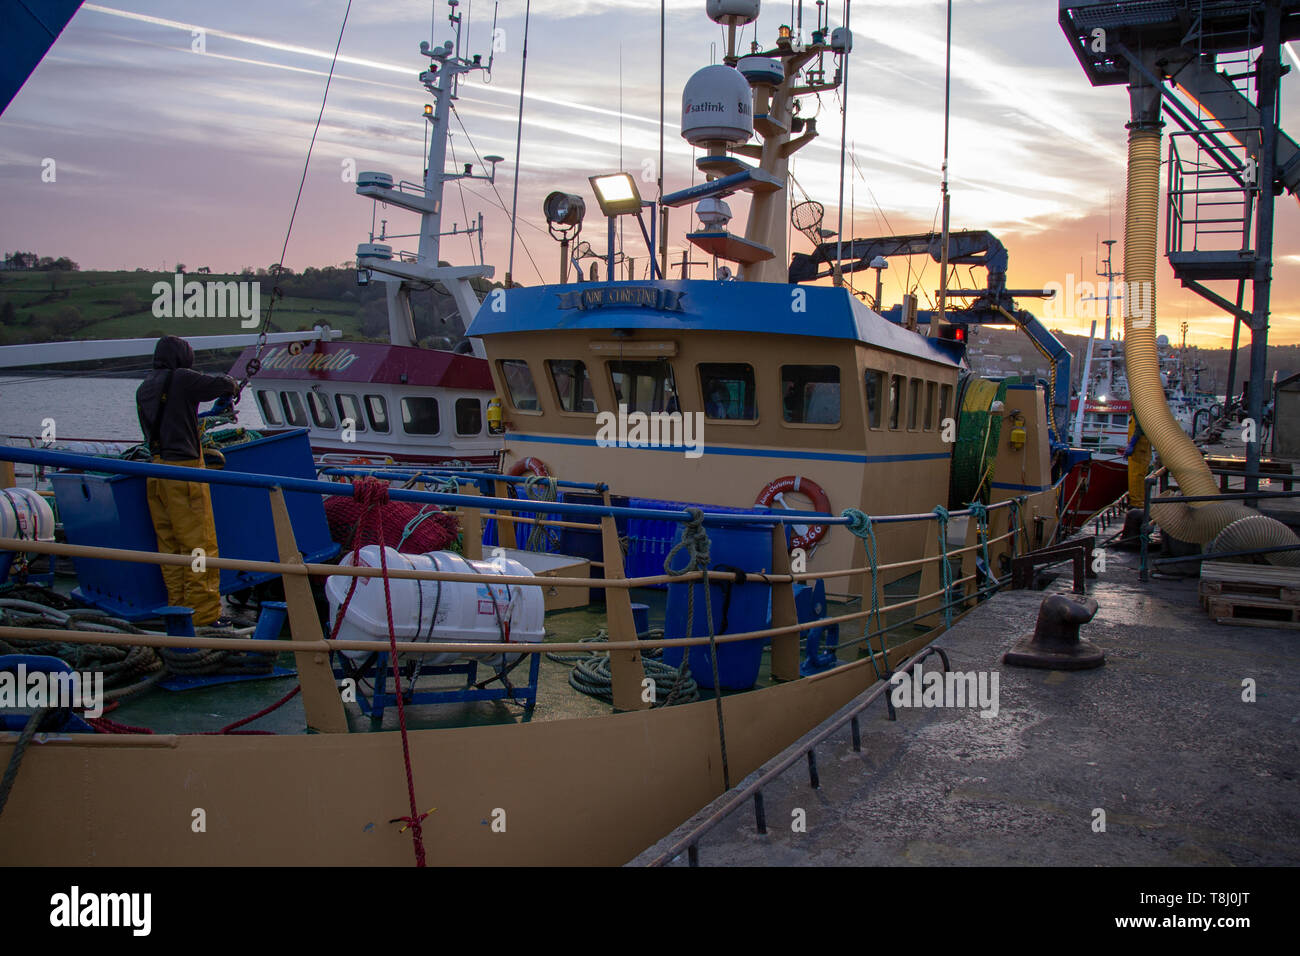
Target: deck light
x: 616, y: 193
x: 564, y: 209
x: 428, y: 109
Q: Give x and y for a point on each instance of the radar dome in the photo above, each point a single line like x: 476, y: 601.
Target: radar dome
x: 764, y: 70
x: 732, y: 12
x: 716, y: 107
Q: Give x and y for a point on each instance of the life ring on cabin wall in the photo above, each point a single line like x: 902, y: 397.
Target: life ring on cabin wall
x: 529, y: 466
x: 776, y: 488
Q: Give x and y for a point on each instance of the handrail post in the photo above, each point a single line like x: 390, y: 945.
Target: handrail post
x: 785, y: 647
x: 471, y: 527
x: 1144, y: 573
x: 625, y: 668
x: 321, y: 701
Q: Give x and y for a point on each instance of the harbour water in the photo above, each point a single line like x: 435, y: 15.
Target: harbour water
x: 85, y: 408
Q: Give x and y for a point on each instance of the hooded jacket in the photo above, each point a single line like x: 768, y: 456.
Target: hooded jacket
x: 167, y: 401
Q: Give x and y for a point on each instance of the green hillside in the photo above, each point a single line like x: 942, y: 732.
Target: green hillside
x: 61, y: 305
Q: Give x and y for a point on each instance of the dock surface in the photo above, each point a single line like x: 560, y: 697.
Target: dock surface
x: 1159, y: 738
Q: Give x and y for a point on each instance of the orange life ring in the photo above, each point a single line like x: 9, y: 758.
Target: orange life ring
x: 530, y: 466
x: 779, y: 486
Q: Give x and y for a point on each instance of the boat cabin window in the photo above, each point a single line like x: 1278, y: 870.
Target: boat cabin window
x: 875, y: 383
x: 645, y: 386
x: 266, y: 402
x: 350, y: 409
x: 294, y: 413
x: 913, y: 403
x: 469, y: 416
x: 377, y: 412
x: 945, y: 400
x: 811, y: 394
x: 319, y: 406
x: 420, y: 416
x: 895, y: 401
x: 930, y: 389
x: 519, y: 383
x: 572, y: 385
x: 728, y: 391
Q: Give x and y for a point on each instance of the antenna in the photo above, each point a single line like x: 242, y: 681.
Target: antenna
x: 947, y: 96
x: 519, y: 141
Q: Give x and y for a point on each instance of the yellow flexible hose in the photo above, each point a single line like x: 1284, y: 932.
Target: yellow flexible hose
x: 1195, y: 523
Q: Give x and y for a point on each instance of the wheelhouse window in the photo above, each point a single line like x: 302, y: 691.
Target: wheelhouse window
x: 875, y: 385
x: 270, y: 410
x: 377, y: 412
x: 728, y: 391
x: 645, y: 386
x: 572, y: 385
x: 519, y: 383
x: 350, y: 409
x: 895, y: 401
x: 469, y: 416
x: 945, y: 401
x: 294, y: 413
x: 420, y: 416
x: 930, y: 389
x: 913, y: 403
x: 811, y: 394
x: 319, y: 406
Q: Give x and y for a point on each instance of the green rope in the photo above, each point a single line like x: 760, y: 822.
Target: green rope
x: 945, y: 569
x: 538, y: 536
x: 860, y: 525
x: 980, y: 512
x: 1013, y: 525
x: 695, y: 541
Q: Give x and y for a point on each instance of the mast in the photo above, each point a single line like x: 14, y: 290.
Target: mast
x: 943, y: 242
x: 405, y: 272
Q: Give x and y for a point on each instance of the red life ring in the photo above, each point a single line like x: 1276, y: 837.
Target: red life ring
x: 530, y: 466
x: 820, y: 502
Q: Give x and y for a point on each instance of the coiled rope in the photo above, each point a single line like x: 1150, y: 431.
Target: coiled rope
x: 590, y: 673
x: 540, y: 537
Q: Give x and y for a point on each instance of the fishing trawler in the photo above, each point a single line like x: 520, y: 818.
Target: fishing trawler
x: 670, y: 428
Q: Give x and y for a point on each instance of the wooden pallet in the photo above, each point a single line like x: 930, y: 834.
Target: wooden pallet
x: 1256, y: 612
x: 1246, y: 582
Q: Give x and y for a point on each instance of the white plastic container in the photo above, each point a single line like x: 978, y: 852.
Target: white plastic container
x: 438, y: 611
x: 25, y: 514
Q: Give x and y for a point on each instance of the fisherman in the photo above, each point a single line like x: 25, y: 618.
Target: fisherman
x: 167, y: 404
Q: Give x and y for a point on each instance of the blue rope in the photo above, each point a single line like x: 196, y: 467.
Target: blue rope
x: 860, y: 525
x: 945, y: 569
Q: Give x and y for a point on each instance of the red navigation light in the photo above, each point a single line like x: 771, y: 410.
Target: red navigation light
x: 959, y: 334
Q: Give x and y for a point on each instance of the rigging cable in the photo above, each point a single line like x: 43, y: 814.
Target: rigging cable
x: 254, y: 365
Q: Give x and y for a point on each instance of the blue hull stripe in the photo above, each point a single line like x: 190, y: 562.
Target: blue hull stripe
x: 1009, y: 487
x: 747, y: 452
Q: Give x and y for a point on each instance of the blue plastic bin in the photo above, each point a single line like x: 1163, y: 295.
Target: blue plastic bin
x: 736, y: 607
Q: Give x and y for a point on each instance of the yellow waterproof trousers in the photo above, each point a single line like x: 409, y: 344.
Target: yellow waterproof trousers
x: 182, y: 519
x: 1139, y: 463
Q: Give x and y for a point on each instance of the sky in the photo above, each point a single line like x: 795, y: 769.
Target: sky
x: 166, y: 154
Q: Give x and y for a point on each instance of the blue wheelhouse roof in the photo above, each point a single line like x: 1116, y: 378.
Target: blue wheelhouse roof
x: 680, y: 305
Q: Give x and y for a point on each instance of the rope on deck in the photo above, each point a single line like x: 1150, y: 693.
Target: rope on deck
x: 945, y: 569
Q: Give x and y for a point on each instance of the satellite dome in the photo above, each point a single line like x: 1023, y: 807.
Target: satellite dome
x: 732, y: 12
x: 761, y: 70
x: 716, y: 107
